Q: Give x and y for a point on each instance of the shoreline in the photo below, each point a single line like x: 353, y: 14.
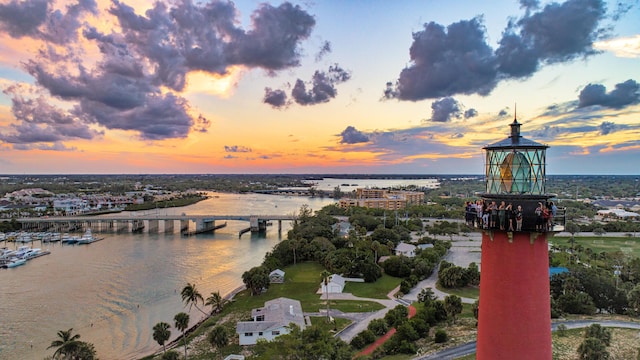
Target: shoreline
x: 176, y: 342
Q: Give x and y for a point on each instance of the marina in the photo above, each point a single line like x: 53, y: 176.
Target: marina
x: 25, y: 237
x: 10, y: 258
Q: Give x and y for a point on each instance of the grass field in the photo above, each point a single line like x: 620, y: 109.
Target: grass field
x: 628, y: 245
x: 472, y: 292
x: 624, y: 345
x: 302, y: 281
x: 377, y: 290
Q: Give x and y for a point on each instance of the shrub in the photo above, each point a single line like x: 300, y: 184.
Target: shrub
x: 396, y: 316
x: 363, y: 339
x: 601, y: 333
x: 562, y: 330
x: 378, y: 327
x: 407, y: 347
x: 171, y: 355
x: 441, y: 336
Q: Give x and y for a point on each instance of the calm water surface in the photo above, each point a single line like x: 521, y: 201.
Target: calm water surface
x: 113, y: 291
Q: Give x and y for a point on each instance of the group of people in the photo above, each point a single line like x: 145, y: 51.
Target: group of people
x: 490, y: 215
x: 545, y: 212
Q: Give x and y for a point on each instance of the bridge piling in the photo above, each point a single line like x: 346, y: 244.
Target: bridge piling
x: 168, y: 226
x: 111, y: 223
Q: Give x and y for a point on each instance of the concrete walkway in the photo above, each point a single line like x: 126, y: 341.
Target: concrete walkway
x: 363, y: 319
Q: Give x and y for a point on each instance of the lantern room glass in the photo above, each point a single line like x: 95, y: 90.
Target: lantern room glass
x: 517, y: 171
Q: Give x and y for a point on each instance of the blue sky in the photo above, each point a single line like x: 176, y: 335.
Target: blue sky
x: 315, y: 87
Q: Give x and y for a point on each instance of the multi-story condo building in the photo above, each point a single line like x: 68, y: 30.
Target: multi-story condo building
x: 383, y: 199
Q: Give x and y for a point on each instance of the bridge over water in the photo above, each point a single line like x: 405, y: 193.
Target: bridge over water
x: 114, y: 223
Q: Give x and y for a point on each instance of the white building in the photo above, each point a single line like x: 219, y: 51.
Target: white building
x: 71, y: 206
x: 335, y: 285
x: 271, y: 321
x: 276, y: 276
x: 618, y: 213
x: 404, y: 249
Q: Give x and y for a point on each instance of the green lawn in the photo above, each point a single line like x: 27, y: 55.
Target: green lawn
x: 377, y: 290
x: 472, y: 292
x: 302, y: 281
x: 322, y: 323
x: 628, y: 245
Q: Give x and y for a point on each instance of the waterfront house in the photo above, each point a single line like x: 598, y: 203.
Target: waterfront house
x: 276, y: 276
x: 334, y: 286
x: 271, y: 321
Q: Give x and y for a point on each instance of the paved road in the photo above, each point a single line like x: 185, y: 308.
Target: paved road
x: 470, y: 347
x: 464, y: 250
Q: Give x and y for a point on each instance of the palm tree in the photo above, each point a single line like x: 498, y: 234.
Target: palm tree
x: 181, y: 322
x: 375, y: 246
x: 216, y: 302
x: 218, y: 336
x: 325, y: 279
x: 65, y: 342
x: 191, y: 296
x: 161, y: 334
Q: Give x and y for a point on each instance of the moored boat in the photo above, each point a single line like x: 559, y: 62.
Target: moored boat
x: 66, y: 239
x: 16, y: 262
x: 87, y: 238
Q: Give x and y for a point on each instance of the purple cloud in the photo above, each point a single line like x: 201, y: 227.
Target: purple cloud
x: 236, y: 149
x: 39, y: 121
x: 444, y: 109
x: 626, y: 93
x: 126, y: 88
x: 470, y: 113
x: 557, y: 33
x: 458, y: 60
x: 23, y: 18
x: 33, y: 18
x: 448, y: 61
x: 323, y: 86
x: 276, y: 98
x: 351, y: 135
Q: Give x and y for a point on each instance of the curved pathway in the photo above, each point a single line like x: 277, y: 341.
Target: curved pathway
x: 470, y: 347
x: 363, y: 319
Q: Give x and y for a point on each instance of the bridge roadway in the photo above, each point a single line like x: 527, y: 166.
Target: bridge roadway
x: 111, y: 222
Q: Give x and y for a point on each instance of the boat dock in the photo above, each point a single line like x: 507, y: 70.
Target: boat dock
x: 6, y: 262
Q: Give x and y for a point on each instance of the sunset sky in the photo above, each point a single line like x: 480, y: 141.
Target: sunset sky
x: 397, y: 87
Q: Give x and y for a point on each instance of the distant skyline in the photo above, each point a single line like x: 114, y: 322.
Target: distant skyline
x: 327, y: 87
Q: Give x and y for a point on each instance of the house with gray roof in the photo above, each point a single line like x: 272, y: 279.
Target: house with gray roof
x: 425, y: 246
x: 276, y: 276
x: 404, y: 249
x: 335, y: 285
x: 271, y: 321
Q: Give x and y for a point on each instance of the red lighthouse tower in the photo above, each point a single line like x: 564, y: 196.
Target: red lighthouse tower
x: 514, y: 320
